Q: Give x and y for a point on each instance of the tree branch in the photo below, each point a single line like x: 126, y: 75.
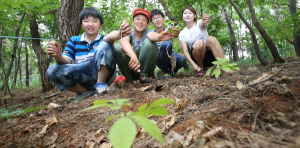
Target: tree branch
x: 187, y: 2
x: 168, y: 13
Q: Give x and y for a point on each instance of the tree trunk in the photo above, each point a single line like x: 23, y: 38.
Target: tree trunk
x: 296, y: 32
x: 21, y: 70
x: 13, y: 55
x: 27, y: 66
x: 1, y: 42
x: 43, y: 62
x: 262, y: 60
x: 68, y: 25
x: 167, y: 11
x: 264, y: 34
x: 232, y: 36
x: 17, y: 62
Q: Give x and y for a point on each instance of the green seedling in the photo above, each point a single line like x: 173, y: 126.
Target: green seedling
x: 221, y: 65
x: 123, y: 131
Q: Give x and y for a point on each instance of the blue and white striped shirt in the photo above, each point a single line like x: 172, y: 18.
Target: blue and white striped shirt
x: 80, y: 50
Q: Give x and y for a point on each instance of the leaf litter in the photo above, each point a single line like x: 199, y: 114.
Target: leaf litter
x: 254, y: 107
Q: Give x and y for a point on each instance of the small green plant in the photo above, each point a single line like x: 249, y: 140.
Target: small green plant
x: 123, y: 131
x: 221, y: 65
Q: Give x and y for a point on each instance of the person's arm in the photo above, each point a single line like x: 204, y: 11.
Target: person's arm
x: 204, y: 22
x: 53, y: 50
x: 116, y: 35
x: 156, y: 37
x: 134, y: 63
x: 187, y: 55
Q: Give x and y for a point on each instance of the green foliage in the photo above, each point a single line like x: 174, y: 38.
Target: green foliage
x: 123, y: 131
x: 221, y: 65
x: 7, y: 112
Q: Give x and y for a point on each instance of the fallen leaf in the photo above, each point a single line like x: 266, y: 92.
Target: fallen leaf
x: 53, y: 120
x: 194, y: 107
x: 173, y: 136
x: 105, y: 145
x: 145, y: 88
x: 53, y: 105
x: 43, y: 132
x: 182, y: 104
x: 52, y: 139
x: 210, y: 110
x: 239, y: 85
x: 140, y: 133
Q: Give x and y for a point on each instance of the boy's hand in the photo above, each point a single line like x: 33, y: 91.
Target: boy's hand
x: 205, y: 19
x: 134, y: 64
x: 53, y: 49
x: 165, y: 35
x: 125, y: 29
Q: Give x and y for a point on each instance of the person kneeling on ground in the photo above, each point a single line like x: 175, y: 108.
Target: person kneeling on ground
x: 138, y: 50
x: 165, y: 51
x: 94, y: 56
x: 199, y: 48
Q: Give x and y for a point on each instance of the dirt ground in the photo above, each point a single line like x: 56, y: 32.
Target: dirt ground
x: 258, y: 106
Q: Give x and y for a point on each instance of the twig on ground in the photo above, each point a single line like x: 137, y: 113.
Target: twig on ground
x: 263, y: 80
x: 254, y: 124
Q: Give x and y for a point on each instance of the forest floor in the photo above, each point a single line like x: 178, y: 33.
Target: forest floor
x: 258, y: 106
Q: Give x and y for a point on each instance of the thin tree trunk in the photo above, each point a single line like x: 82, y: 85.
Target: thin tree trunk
x: 262, y: 60
x: 13, y: 55
x: 27, y: 66
x: 17, y: 62
x: 68, y: 25
x: 21, y: 71
x: 296, y: 31
x: 43, y: 62
x: 167, y: 11
x: 232, y: 36
x: 263, y: 33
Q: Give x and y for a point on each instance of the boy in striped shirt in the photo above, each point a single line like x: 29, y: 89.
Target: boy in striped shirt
x: 94, y: 56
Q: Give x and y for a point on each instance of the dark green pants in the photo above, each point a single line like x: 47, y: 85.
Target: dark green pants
x: 146, y: 56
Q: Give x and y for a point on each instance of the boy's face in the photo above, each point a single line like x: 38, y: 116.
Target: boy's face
x: 91, y: 25
x: 140, y: 23
x: 158, y: 21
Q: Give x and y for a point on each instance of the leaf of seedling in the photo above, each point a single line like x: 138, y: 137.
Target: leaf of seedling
x: 98, y: 102
x: 158, y: 111
x: 217, y: 72
x: 115, y: 107
x: 112, y: 117
x: 95, y: 107
x: 236, y: 68
x: 226, y: 69
x: 16, y: 112
x: 141, y: 110
x: 122, y: 133
x: 170, y: 30
x: 149, y: 127
x: 27, y: 110
x: 121, y: 101
x: 160, y: 102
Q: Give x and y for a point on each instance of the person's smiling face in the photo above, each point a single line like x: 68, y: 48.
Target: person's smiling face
x: 91, y: 25
x: 188, y: 16
x: 140, y: 23
x: 158, y: 21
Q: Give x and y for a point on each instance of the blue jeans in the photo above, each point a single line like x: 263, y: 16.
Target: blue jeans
x: 164, y: 62
x: 85, y: 73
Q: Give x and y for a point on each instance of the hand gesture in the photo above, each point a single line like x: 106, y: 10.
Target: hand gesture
x: 165, y: 35
x: 196, y: 67
x: 205, y: 18
x: 134, y: 64
x: 53, y: 49
x: 125, y: 29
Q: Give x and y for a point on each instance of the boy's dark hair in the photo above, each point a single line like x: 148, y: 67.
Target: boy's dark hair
x: 154, y: 12
x: 90, y: 11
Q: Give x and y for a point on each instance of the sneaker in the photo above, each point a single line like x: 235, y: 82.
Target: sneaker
x: 84, y: 95
x: 201, y: 74
x: 101, y: 87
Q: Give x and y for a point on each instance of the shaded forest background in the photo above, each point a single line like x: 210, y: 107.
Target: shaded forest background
x: 250, y: 31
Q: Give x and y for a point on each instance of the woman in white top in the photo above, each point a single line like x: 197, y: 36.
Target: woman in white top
x: 199, y: 48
